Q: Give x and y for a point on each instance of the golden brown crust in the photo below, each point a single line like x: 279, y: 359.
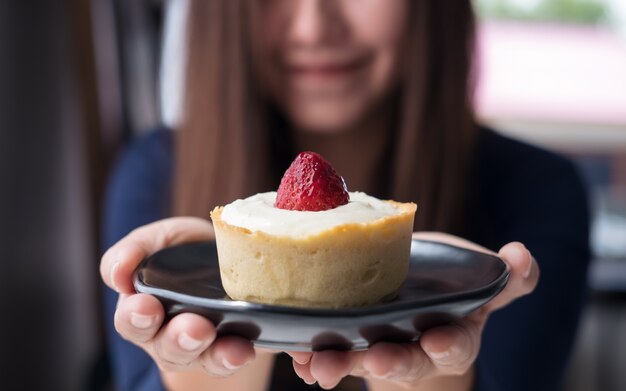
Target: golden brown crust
x: 347, y: 265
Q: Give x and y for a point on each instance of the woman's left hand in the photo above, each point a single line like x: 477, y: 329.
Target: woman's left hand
x: 440, y: 352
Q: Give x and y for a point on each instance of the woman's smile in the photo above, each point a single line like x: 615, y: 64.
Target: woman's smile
x: 323, y: 75
x: 328, y: 64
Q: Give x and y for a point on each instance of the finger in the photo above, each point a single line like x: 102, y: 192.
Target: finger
x: 138, y: 317
x: 119, y: 262
x: 357, y: 364
x: 184, y: 338
x: 227, y: 355
x: 127, y: 258
x: 304, y: 372
x: 453, y: 348
x: 329, y: 367
x: 394, y: 361
x: 523, y: 278
x: 300, y: 357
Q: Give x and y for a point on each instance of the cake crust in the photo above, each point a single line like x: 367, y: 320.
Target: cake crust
x: 348, y: 265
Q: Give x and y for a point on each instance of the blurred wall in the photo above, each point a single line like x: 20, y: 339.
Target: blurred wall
x: 47, y: 266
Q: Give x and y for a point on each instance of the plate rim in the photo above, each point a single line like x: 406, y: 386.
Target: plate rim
x: 486, y: 292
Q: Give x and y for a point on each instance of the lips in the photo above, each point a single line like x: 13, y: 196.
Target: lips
x: 324, y: 70
x: 321, y: 71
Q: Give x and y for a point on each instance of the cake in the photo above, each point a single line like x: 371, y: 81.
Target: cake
x: 313, y: 244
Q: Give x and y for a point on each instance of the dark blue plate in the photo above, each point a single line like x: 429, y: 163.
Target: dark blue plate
x: 444, y: 283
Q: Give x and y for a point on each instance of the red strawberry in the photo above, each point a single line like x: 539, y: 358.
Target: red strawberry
x: 311, y: 184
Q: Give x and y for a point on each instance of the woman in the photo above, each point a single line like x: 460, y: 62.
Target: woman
x: 381, y: 89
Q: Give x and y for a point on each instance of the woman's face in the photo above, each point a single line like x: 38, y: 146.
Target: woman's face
x: 327, y: 63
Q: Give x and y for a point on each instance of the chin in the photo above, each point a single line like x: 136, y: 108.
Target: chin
x: 326, y: 120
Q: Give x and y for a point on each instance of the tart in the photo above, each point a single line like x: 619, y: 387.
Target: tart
x: 352, y: 254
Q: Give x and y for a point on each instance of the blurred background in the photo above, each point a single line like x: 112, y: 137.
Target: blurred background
x: 78, y: 78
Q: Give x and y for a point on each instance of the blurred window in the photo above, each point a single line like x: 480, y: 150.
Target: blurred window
x: 553, y: 72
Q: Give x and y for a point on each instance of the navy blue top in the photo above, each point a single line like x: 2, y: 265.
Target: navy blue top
x: 523, y: 194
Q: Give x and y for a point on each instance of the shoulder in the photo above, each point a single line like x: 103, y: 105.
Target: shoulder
x: 147, y: 160
x: 138, y: 189
x: 154, y: 146
x: 507, y: 165
x: 528, y: 188
x: 501, y: 156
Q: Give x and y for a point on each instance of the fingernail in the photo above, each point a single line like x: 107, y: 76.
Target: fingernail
x: 112, y: 276
x: 452, y: 353
x: 228, y: 365
x: 529, y: 268
x: 188, y: 343
x: 141, y: 321
x: 439, y: 356
x: 302, y: 361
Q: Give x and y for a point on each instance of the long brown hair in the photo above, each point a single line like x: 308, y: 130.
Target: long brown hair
x: 224, y: 148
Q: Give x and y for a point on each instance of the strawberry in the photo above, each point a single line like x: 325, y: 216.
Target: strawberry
x: 311, y: 184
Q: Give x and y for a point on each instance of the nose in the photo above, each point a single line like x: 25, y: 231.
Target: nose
x: 314, y: 22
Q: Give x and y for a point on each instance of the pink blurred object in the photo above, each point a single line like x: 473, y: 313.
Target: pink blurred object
x: 551, y: 74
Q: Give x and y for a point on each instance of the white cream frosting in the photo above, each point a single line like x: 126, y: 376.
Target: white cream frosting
x: 258, y: 213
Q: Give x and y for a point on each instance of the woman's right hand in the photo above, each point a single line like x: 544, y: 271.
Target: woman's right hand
x: 188, y: 341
